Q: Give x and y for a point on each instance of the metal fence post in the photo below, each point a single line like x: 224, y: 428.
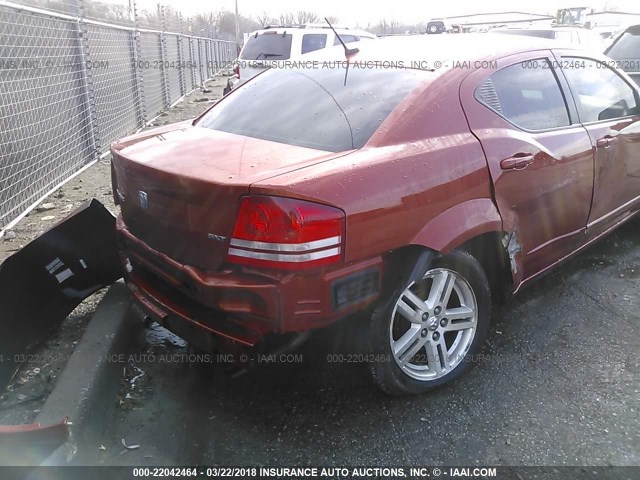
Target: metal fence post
x: 137, y: 66
x: 214, y: 47
x: 88, y: 98
x: 202, y: 52
x: 181, y: 61
x: 163, y: 57
x: 194, y: 64
x: 210, y: 65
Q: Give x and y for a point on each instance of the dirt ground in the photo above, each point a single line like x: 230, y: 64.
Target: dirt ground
x: 21, y: 400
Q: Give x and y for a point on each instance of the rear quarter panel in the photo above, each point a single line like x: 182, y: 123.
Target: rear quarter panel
x: 422, y: 179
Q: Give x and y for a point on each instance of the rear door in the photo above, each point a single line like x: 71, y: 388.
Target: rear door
x: 609, y: 108
x: 539, y: 157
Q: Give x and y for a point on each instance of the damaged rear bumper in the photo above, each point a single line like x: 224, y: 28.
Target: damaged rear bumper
x: 238, y: 304
x: 39, y: 287
x: 42, y: 283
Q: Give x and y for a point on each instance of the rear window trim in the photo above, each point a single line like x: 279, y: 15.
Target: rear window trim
x: 572, y: 122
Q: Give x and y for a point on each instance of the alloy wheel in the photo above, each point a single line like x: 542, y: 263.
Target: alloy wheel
x: 433, y: 324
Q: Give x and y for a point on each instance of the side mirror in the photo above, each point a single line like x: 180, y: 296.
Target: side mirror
x: 617, y: 110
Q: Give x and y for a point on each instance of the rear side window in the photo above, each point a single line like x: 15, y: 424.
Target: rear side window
x: 346, y: 39
x: 527, y: 94
x: 313, y: 41
x: 267, y: 46
x: 313, y: 108
x: 600, y: 93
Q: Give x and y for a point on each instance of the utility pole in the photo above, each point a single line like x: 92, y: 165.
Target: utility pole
x: 237, y: 27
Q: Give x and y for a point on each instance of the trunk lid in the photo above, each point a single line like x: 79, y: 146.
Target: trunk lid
x: 179, y: 189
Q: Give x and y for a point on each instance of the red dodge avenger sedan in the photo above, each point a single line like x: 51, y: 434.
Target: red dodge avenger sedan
x: 409, y: 196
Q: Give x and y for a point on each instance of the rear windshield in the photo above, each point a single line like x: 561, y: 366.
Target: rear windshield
x: 267, y: 46
x: 626, y: 47
x: 312, y: 107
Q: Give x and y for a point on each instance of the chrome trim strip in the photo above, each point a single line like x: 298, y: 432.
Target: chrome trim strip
x: 277, y: 257
x: 287, y: 247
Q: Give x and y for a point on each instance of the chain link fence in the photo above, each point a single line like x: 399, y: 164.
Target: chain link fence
x: 70, y: 85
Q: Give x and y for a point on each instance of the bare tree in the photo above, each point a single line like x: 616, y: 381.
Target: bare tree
x: 112, y: 11
x: 264, y: 19
x: 148, y: 19
x: 389, y: 27
x: 207, y: 24
x: 382, y: 27
x: 221, y: 24
x: 305, y: 16
x: 291, y: 18
x: 286, y: 19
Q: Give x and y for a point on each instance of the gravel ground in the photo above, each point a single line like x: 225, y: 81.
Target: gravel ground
x: 22, y: 399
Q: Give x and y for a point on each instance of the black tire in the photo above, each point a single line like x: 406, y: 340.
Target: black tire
x: 385, y: 370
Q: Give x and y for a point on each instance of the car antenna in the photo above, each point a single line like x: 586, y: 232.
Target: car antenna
x: 348, y: 52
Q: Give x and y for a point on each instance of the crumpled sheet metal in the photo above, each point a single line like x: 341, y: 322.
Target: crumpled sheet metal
x: 41, y: 284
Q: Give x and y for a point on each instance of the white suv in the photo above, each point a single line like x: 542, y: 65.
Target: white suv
x: 287, y: 43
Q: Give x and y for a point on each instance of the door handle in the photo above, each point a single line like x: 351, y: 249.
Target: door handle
x: 605, y: 141
x: 517, y: 162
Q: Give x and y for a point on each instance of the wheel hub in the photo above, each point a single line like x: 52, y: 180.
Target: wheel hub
x: 433, y: 323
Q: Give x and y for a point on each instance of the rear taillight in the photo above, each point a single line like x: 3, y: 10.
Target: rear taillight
x: 236, y: 71
x: 285, y: 233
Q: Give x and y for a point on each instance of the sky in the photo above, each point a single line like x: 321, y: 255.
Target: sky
x: 361, y: 12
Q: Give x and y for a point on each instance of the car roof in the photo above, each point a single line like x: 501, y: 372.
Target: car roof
x: 449, y: 47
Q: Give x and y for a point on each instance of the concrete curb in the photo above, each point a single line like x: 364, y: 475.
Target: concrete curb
x: 85, y: 391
